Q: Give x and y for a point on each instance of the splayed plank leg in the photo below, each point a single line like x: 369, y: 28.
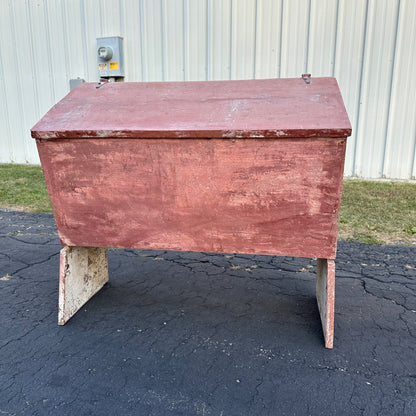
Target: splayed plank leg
x: 83, y: 272
x: 325, y: 295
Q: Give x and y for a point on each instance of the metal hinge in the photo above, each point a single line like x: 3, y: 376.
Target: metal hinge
x: 101, y: 82
x: 307, y: 78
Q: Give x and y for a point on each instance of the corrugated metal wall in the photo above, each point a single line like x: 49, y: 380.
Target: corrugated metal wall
x: 369, y: 45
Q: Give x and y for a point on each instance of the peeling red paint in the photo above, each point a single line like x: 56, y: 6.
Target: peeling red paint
x: 216, y: 109
x: 250, y: 195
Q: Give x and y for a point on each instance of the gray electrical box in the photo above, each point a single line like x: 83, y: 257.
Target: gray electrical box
x: 110, y: 57
x: 73, y: 83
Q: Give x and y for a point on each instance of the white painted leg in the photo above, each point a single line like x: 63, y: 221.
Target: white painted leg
x: 83, y: 272
x: 325, y: 295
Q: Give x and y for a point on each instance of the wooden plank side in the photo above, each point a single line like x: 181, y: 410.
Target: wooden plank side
x: 251, y: 196
x: 214, y: 109
x: 83, y: 272
x: 325, y: 296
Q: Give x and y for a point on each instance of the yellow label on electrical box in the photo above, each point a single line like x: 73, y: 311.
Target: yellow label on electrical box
x: 113, y: 65
x: 102, y: 66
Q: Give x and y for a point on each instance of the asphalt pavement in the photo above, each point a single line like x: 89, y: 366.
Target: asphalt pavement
x: 183, y: 333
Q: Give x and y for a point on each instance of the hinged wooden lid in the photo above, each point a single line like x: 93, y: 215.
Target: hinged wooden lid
x: 272, y: 108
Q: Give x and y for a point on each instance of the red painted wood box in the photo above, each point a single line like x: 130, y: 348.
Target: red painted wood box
x: 221, y: 166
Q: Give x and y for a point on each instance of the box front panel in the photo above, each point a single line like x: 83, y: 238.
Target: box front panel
x: 246, y: 195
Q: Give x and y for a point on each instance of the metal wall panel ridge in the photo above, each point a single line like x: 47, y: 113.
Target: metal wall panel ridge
x: 243, y: 39
x: 348, y: 66
x: 219, y: 39
x: 368, y: 45
x: 268, y: 39
x: 173, y: 32
x: 153, y: 54
x: 376, y: 87
x: 322, y: 37
x: 294, y: 38
x: 400, y: 152
x: 196, y: 14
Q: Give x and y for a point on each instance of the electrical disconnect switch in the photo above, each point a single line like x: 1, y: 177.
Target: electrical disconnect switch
x: 110, y: 57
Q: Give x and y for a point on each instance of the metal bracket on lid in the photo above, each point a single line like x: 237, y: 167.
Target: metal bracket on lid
x: 102, y: 82
x: 307, y: 78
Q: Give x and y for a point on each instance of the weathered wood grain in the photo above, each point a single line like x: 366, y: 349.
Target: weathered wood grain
x: 83, y: 272
x: 246, y: 195
x: 325, y: 296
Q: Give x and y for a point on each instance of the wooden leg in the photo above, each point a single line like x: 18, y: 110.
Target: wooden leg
x: 83, y: 272
x: 325, y: 295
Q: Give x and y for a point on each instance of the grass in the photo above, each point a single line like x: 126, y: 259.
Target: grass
x: 378, y: 212
x: 23, y: 187
x: 373, y: 212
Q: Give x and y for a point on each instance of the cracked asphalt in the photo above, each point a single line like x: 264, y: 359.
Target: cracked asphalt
x: 181, y: 333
